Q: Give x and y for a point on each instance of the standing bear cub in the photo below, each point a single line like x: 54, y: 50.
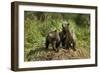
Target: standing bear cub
x: 67, y: 39
x: 53, y: 38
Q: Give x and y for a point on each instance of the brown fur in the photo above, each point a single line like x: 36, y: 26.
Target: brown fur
x: 53, y: 39
x: 67, y: 38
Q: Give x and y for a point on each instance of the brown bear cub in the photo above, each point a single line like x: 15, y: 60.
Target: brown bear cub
x: 67, y: 39
x: 53, y: 38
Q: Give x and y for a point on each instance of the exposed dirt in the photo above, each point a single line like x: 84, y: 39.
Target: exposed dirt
x: 67, y: 54
x: 63, y: 54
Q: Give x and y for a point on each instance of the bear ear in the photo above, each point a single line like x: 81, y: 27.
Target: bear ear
x: 62, y: 25
x: 68, y: 24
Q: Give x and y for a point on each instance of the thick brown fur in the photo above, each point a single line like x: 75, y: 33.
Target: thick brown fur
x: 53, y: 39
x: 67, y: 39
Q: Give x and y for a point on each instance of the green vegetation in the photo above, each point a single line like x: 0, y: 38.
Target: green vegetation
x: 38, y: 24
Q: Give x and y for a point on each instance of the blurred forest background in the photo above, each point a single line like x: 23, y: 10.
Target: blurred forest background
x: 38, y: 24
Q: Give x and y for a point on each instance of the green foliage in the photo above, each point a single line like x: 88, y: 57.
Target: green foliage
x: 38, y: 24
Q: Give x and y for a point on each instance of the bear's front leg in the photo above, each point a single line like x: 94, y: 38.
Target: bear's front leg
x: 54, y: 46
